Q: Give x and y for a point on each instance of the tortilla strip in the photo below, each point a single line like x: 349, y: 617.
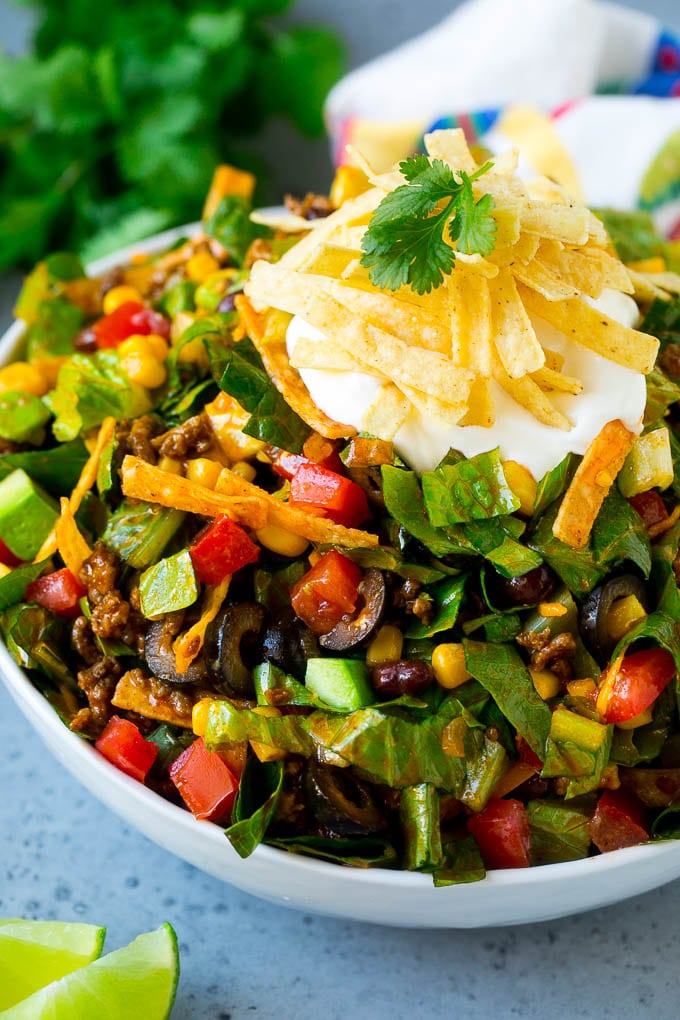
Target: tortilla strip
x: 87, y: 478
x: 387, y: 412
x: 154, y: 699
x: 550, y: 379
x: 514, y: 336
x: 140, y: 480
x: 595, y: 330
x: 529, y: 395
x: 349, y: 212
x: 288, y: 381
x: 189, y: 644
x: 73, y: 548
x: 593, y: 479
x: 300, y: 522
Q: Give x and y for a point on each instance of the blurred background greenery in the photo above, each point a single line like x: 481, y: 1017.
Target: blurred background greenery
x: 113, y: 114
x: 111, y: 126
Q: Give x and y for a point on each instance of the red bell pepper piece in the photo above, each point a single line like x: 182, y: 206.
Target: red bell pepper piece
x: 207, y: 786
x: 286, y: 464
x: 619, y: 820
x: 220, y: 549
x: 125, y: 747
x: 59, y: 592
x: 639, y: 681
x: 340, y: 498
x: 7, y: 556
x: 502, y: 834
x: 650, y: 506
x: 128, y: 319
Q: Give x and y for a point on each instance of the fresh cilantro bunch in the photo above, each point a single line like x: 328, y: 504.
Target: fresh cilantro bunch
x: 110, y: 129
x: 409, y: 237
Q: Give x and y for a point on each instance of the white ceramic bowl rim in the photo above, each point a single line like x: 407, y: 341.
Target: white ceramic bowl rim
x: 660, y: 861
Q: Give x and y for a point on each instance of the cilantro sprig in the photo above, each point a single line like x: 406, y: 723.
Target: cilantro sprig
x: 409, y: 238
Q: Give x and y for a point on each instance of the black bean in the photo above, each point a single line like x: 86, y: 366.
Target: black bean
x: 408, y: 676
x: 536, y: 586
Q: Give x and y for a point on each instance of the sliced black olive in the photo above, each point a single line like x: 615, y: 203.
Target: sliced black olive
x: 231, y: 647
x: 288, y: 643
x: 340, y: 803
x: 353, y: 629
x: 160, y: 656
x: 527, y: 590
x: 595, y: 610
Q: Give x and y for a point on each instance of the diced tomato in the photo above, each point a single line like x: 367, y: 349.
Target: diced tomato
x: 327, y: 592
x: 639, y: 681
x: 286, y: 464
x: 220, y: 549
x: 128, y: 319
x: 7, y: 556
x: 59, y: 592
x: 502, y: 834
x: 650, y: 506
x: 125, y: 747
x: 619, y: 820
x: 340, y: 498
x: 207, y: 786
x: 526, y: 755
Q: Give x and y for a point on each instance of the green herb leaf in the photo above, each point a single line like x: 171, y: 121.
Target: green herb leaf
x: 472, y: 489
x: 462, y: 863
x: 576, y: 567
x: 272, y: 420
x: 500, y: 670
x: 404, y: 501
x: 258, y: 794
x: 140, y: 532
x: 559, y: 831
x: 405, y: 243
x: 419, y: 816
x: 619, y: 535
x: 57, y: 470
x: 168, y: 585
x: 89, y: 388
x: 554, y: 483
x: 13, y: 585
x: 447, y: 597
x: 231, y: 225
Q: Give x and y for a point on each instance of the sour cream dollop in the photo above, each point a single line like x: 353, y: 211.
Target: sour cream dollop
x: 609, y: 391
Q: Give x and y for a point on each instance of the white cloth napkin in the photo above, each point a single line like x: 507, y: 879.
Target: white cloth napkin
x: 490, y: 59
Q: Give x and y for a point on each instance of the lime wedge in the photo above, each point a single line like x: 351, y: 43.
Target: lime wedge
x: 35, y: 953
x: 139, y: 980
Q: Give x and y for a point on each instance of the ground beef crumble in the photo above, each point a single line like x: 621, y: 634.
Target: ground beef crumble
x: 546, y: 652
x: 98, y: 682
x: 191, y: 439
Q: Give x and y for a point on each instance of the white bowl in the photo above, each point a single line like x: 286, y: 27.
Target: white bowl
x: 377, y: 895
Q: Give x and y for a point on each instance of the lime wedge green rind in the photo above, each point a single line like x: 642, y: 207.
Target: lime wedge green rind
x: 139, y: 980
x: 36, y: 953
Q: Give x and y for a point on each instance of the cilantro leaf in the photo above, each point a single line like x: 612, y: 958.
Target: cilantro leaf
x: 408, y: 239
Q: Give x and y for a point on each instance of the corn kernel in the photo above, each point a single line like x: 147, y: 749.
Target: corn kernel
x: 203, y: 471
x: 118, y: 296
x: 386, y: 646
x: 349, y: 182
x: 264, y: 751
x: 552, y: 609
x: 639, y: 720
x: 522, y: 483
x: 138, y: 359
x: 20, y: 377
x: 623, y: 616
x: 201, y: 265
x: 158, y: 344
x: 170, y: 465
x: 280, y: 541
x: 581, y: 688
x: 546, y: 683
x: 448, y: 664
x: 244, y: 470
x: 199, y: 716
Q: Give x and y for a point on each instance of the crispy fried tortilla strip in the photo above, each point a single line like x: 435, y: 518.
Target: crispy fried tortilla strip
x: 349, y: 212
x: 595, y: 330
x: 315, y: 529
x: 388, y: 412
x: 452, y: 147
x: 593, y: 479
x: 567, y: 223
x: 140, y: 480
x: 189, y: 644
x: 530, y: 396
x: 550, y: 379
x: 72, y: 547
x: 541, y: 277
x: 270, y: 342
x: 589, y: 269
x: 650, y: 286
x: 88, y: 477
x: 481, y: 410
x: 326, y: 355
x: 520, y: 253
x: 513, y: 334
x: 154, y: 699
x: 471, y: 322
x: 424, y: 370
